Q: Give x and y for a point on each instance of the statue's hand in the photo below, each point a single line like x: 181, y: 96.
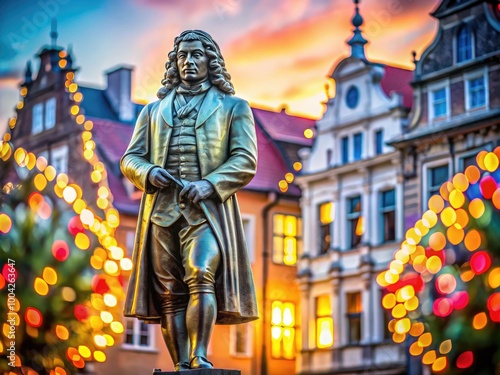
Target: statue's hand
x: 158, y: 177
x: 197, y: 190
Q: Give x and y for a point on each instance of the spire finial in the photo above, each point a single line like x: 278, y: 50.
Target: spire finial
x: 53, y: 32
x: 357, y: 42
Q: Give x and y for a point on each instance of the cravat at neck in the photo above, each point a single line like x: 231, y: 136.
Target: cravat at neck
x: 193, y: 90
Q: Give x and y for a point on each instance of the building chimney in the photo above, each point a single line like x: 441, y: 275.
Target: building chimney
x: 119, y: 91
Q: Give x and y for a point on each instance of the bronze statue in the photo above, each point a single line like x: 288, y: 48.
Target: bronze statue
x: 191, y: 151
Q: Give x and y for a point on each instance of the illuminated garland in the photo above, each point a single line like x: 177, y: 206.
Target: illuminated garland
x: 108, y: 290
x: 429, y: 288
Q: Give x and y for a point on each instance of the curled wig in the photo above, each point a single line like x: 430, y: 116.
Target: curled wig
x: 217, y: 73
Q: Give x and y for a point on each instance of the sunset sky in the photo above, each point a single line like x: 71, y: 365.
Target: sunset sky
x: 279, y: 52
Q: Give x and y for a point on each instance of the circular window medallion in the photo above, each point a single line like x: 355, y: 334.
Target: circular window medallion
x: 352, y: 97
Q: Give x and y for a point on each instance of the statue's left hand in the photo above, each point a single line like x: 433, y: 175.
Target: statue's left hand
x: 197, y: 190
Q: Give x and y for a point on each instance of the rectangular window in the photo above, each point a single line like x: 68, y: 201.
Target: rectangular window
x: 287, y: 239
x: 435, y: 178
x: 326, y: 217
x: 354, y: 317
x: 439, y: 104
x: 379, y: 142
x: 358, y: 146
x: 50, y: 113
x: 59, y: 159
x: 240, y: 340
x: 388, y: 211
x: 355, y: 221
x: 467, y: 161
x: 283, y: 330
x: 37, y: 122
x: 477, y: 92
x: 324, y: 322
x: 344, y: 149
x: 138, y: 335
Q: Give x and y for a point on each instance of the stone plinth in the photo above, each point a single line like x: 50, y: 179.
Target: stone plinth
x: 201, y: 371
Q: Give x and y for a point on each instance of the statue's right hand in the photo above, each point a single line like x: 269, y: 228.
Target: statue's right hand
x: 158, y: 178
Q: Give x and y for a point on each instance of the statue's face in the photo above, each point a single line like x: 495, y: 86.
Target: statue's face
x: 192, y: 62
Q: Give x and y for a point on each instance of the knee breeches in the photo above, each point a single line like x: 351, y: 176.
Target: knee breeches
x: 185, y: 260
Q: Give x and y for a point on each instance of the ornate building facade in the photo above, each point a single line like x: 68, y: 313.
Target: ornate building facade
x: 351, y: 204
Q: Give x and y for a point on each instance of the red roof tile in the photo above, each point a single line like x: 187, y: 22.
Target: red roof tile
x: 398, y: 80
x: 283, y: 127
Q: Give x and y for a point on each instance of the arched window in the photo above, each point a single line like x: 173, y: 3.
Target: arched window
x: 464, y: 44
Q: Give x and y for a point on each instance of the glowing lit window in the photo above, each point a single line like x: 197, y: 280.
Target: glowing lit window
x: 355, y: 221
x: 240, y: 340
x: 287, y: 239
x: 138, y: 335
x: 283, y: 330
x: 326, y: 217
x: 388, y: 212
x: 37, y: 120
x: 353, y: 317
x: 324, y: 322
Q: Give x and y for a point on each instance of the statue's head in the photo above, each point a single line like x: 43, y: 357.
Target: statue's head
x: 216, y: 69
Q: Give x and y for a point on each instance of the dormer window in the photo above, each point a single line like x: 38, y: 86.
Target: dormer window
x: 44, y: 116
x: 464, y: 44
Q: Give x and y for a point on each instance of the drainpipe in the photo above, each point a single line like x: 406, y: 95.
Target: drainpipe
x: 272, y: 199
x: 451, y: 145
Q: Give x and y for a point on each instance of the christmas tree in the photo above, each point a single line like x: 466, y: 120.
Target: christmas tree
x: 443, y: 286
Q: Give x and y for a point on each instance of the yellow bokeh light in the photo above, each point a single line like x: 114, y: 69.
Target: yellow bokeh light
x: 425, y: 340
x: 69, y: 194
x: 41, y: 286
x: 455, y: 234
x: 5, y: 223
x: 126, y: 264
x: 436, y: 203
x: 476, y: 208
x: 402, y: 326
x: 62, y: 180
x: 117, y: 327
x: 416, y: 350
x: 494, y: 278
x: 460, y: 182
x: 289, y: 177
x: 50, y: 172
x: 78, y: 97
x: 49, y: 275
x: 74, y: 110
x: 440, y: 364
x: 480, y: 320
x: 417, y: 329
x: 434, y: 264
x: 437, y: 241
x: 62, y: 332
x: 457, y: 199
x: 448, y: 216
x: 472, y: 240
x: 411, y: 304
x: 110, y: 300
x: 399, y: 311
x: 308, y: 133
x: 445, y: 347
x: 106, y: 317
x: 472, y: 173
x: 480, y: 159
x: 73, y: 87
x: 462, y: 218
x: 87, y: 217
x: 82, y: 241
x: 79, y: 205
x: 110, y: 341
x: 84, y: 351
x: 40, y: 181
x: 429, y: 218
x: 100, y: 340
x: 398, y: 337
x: 88, y: 125
x: 80, y: 119
x: 297, y: 166
x: 491, y: 162
x: 96, y: 176
x: 389, y: 301
x: 111, y: 268
x: 99, y: 356
x: 68, y: 294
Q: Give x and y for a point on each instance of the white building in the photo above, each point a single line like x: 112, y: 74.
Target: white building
x: 353, y: 221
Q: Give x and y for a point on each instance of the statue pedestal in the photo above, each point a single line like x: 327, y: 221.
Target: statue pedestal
x: 201, y: 371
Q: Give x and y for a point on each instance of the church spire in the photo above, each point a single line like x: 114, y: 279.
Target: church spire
x: 357, y: 42
x: 53, y: 33
x: 28, y: 76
